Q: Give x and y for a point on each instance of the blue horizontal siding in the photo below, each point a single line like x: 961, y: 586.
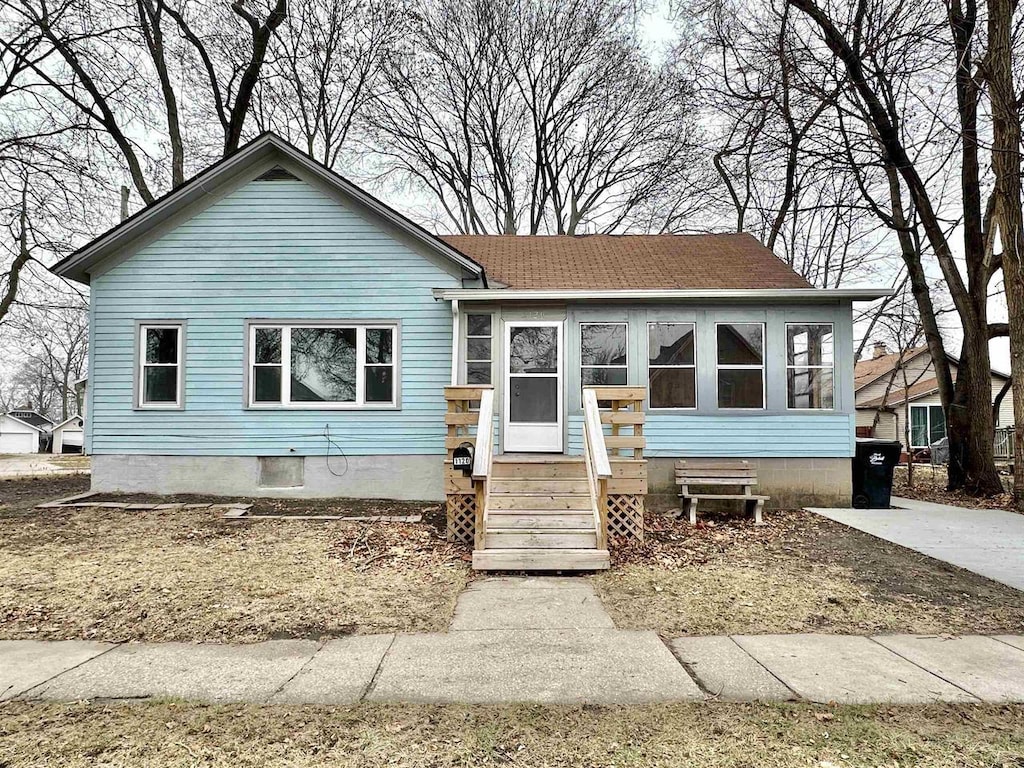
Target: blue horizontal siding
x: 272, y: 249
x: 795, y: 435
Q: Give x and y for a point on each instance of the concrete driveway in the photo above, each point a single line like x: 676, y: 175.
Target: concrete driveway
x: 42, y: 464
x: 989, y: 542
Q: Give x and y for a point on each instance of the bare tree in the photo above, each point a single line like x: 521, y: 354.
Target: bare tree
x: 534, y: 116
x: 885, y: 51
x: 96, y: 61
x: 53, y: 343
x: 325, y: 67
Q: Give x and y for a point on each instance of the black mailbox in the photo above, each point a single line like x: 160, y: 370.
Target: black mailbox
x: 462, y: 458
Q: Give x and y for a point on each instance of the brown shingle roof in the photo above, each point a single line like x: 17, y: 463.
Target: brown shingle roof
x: 608, y: 262
x: 897, y: 396
x: 866, y: 371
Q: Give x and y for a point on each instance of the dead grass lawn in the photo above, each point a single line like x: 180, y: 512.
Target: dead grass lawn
x: 169, y: 735
x: 798, y: 573
x: 188, y: 575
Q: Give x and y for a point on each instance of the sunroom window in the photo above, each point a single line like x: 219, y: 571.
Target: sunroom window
x: 740, y: 350
x: 322, y: 366
x: 672, y: 365
x: 810, y: 363
x: 603, y: 357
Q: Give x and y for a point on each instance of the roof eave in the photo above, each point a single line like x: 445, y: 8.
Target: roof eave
x: 660, y: 294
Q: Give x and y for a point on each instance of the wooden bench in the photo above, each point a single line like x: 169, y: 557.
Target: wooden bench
x: 705, y: 475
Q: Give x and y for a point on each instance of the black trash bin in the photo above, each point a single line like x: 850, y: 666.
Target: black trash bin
x: 873, y: 463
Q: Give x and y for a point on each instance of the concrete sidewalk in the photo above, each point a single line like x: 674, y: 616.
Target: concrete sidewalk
x: 989, y: 542
x: 542, y: 640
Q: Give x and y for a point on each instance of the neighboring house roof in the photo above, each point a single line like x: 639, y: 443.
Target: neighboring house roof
x: 899, y: 396
x: 68, y: 420
x: 265, y: 147
x: 31, y: 417
x: 616, y: 262
x: 867, y: 371
x: 42, y: 428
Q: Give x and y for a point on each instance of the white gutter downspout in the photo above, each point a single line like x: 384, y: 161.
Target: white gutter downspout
x: 455, y: 342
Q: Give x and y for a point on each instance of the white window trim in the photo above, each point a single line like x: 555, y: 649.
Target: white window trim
x: 360, y: 403
x: 624, y: 324
x: 928, y: 424
x: 144, y: 328
x: 696, y: 393
x: 830, y: 367
x: 737, y: 367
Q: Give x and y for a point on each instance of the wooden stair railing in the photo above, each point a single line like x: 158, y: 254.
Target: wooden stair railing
x: 483, y: 453
x: 462, y: 421
x: 599, y: 469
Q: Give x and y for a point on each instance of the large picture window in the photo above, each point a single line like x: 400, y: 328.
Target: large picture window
x: 810, y: 363
x: 927, y: 425
x: 672, y: 365
x: 322, y: 366
x: 160, y: 363
x: 740, y: 350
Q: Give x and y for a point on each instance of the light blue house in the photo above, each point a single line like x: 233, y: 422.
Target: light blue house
x: 271, y: 329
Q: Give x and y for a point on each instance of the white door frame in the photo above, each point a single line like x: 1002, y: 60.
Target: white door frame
x: 532, y: 437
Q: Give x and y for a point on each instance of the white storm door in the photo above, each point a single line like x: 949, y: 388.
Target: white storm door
x: 534, y: 366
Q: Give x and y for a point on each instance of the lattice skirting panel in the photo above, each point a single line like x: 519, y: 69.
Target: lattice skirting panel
x: 625, y: 516
x: 461, y: 512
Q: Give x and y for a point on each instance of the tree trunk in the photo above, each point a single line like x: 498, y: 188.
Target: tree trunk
x: 1006, y: 162
x: 969, y: 427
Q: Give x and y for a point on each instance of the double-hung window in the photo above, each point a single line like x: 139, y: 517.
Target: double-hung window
x: 603, y: 357
x: 672, y: 365
x: 314, y: 365
x: 160, y: 365
x: 479, y: 349
x: 740, y: 350
x: 810, y: 363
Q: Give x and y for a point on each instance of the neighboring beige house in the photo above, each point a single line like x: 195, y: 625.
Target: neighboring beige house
x: 883, y: 385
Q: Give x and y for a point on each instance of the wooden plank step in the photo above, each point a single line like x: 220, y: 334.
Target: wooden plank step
x: 530, y: 503
x: 550, y: 485
x: 540, y: 539
x: 541, y: 560
x: 532, y: 471
x: 542, y: 519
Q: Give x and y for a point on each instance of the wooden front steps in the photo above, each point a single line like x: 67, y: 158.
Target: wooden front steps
x: 539, y: 517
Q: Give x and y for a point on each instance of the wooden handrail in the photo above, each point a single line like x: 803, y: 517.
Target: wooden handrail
x: 482, y: 455
x: 599, y: 468
x: 484, y: 436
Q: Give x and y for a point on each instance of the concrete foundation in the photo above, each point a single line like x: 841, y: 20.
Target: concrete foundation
x: 791, y: 482
x: 410, y: 478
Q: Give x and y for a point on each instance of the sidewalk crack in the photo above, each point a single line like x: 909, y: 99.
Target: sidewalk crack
x: 376, y: 673
x: 931, y: 672
x: 25, y: 694
x: 297, y: 672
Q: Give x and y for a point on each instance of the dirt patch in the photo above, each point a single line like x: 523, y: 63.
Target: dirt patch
x: 169, y: 735
x: 190, y: 575
x: 23, y: 493
x: 798, y: 573
x: 431, y: 511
